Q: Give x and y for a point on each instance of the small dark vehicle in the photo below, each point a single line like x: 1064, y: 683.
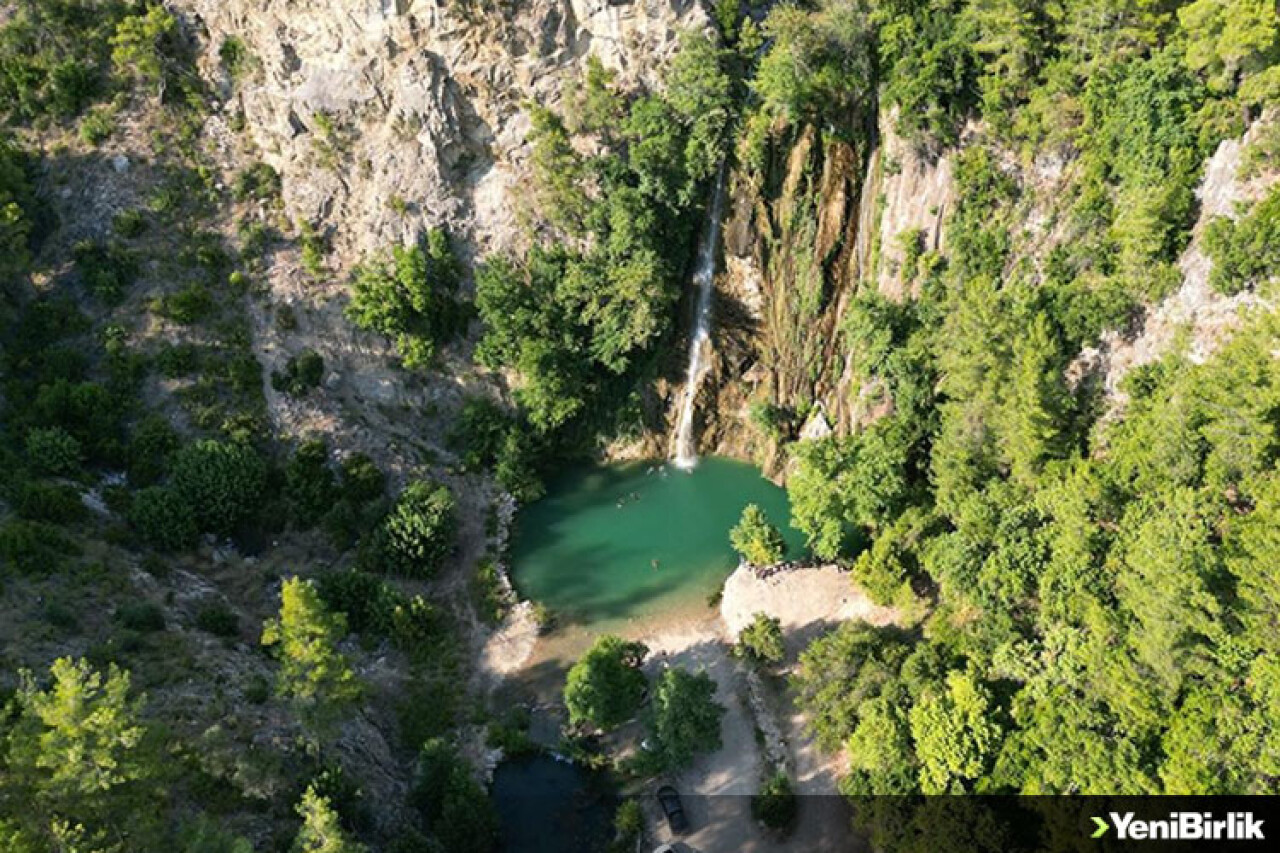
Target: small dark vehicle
x: 669, y: 799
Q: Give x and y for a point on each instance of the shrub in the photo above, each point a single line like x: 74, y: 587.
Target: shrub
x: 107, y: 269
x: 418, y: 534
x: 143, y: 617
x: 54, y: 502
x: 302, y: 373
x: 97, y: 126
x: 362, y: 479
x: 32, y: 548
x: 775, y: 806
x: 451, y: 802
x: 367, y: 600
x: 53, y: 450
x: 234, y: 56
x: 490, y: 592
x: 309, y: 483
x: 628, y: 824
x: 187, y: 306
x: 409, y: 298
x: 222, y: 481
x: 259, y: 182
x: 415, y: 625
x: 762, y: 639
x: 163, y: 518
x: 215, y: 617
x: 772, y: 420
x: 1245, y: 252
x: 129, y: 223
x: 150, y: 448
x: 487, y: 436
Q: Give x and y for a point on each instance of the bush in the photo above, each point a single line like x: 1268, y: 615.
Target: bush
x: 163, y: 518
x: 150, y: 448
x: 455, y: 807
x: 418, y: 534
x: 1245, y: 252
x: 53, y: 450
x: 97, y: 126
x: 54, y: 502
x: 487, y: 436
x: 129, y: 223
x: 685, y: 717
x: 362, y: 479
x: 259, y: 182
x: 490, y: 592
x: 775, y: 806
x: 143, y: 617
x: 409, y: 298
x: 187, y: 306
x: 107, y: 269
x: 628, y: 824
x: 215, y: 617
x: 309, y: 483
x: 762, y: 639
x: 367, y: 600
x: 32, y: 548
x: 221, y: 481
x: 302, y: 373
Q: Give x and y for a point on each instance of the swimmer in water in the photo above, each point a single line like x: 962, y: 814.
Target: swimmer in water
x: 653, y: 564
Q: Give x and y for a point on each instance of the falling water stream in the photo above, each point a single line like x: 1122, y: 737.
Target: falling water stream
x: 686, y: 452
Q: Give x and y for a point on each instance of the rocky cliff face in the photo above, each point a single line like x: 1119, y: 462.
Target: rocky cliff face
x: 385, y: 116
x: 822, y: 222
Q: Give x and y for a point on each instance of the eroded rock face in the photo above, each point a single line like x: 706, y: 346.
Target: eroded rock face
x: 385, y: 116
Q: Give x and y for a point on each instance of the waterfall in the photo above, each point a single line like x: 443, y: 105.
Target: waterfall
x: 686, y: 453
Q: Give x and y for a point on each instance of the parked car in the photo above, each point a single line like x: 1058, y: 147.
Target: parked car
x: 669, y: 799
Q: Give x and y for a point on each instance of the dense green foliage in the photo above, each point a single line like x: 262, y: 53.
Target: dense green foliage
x: 410, y: 298
x: 603, y: 689
x: 1245, y: 252
x: 580, y: 316
x: 313, y: 674
x: 321, y: 831
x: 762, y: 639
x: 73, y: 748
x: 221, y: 481
x: 453, y: 807
x: 1083, y: 589
x: 776, y: 804
x: 418, y: 534
x: 755, y: 539
x: 487, y: 436
x: 685, y: 717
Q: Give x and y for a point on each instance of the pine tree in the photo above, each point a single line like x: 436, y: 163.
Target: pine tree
x: 79, y: 738
x: 313, y: 673
x: 321, y: 832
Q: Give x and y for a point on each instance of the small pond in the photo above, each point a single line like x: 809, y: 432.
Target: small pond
x: 613, y: 543
x: 546, y: 805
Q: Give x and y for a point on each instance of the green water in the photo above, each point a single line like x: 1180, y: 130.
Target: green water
x: 630, y: 541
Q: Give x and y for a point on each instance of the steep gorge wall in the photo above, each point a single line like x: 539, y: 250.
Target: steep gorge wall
x: 426, y: 99
x: 799, y: 244
x: 385, y: 118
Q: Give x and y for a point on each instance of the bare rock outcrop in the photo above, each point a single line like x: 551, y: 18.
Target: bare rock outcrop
x: 388, y: 115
